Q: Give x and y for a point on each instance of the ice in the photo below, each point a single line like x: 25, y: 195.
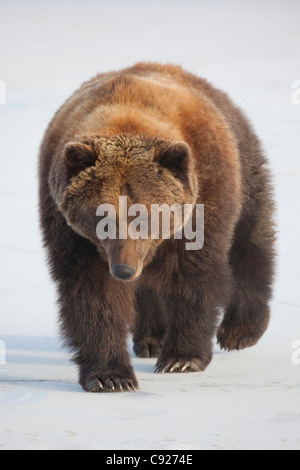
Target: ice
x: 244, y: 400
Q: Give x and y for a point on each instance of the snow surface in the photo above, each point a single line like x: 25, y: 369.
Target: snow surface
x: 244, y: 400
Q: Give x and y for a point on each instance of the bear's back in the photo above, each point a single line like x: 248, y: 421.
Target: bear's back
x: 146, y: 99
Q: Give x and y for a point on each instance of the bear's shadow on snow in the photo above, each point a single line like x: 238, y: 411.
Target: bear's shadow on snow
x: 43, y: 354
x: 35, y: 350
x: 51, y: 351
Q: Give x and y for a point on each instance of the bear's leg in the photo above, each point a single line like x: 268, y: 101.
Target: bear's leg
x: 95, y: 311
x: 187, y: 345
x: 193, y: 311
x: 107, y: 368
x: 247, y: 316
x: 149, y: 326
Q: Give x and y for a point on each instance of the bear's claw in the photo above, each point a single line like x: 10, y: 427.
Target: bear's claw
x: 192, y: 365
x: 97, y: 385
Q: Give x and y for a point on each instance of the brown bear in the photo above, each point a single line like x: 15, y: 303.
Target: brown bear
x: 157, y: 135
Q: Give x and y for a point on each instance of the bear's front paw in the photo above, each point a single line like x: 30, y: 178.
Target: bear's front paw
x: 113, y: 383
x: 180, y: 365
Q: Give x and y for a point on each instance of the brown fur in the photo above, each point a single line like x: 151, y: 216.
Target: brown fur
x: 158, y: 135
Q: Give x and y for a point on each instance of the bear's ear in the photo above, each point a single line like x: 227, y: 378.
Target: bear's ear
x: 176, y: 158
x: 79, y: 156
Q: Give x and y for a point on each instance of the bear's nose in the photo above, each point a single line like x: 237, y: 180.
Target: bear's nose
x: 123, y: 271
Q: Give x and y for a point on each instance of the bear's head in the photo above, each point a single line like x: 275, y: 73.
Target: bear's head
x: 120, y: 189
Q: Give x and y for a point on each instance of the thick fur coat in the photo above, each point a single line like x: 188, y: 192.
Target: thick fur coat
x: 156, y: 134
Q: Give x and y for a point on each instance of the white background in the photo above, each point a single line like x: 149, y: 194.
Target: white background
x: 244, y: 400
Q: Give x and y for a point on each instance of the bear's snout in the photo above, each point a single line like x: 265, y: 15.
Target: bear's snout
x: 123, y: 272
